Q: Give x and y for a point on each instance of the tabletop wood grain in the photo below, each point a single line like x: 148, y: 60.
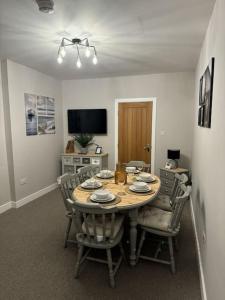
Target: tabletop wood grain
x: 128, y: 200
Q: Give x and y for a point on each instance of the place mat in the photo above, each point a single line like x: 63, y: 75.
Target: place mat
x: 139, y: 194
x: 110, y: 203
x: 102, y: 178
x: 80, y: 188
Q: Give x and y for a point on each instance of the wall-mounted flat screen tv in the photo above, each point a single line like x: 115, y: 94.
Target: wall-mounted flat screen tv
x: 92, y: 121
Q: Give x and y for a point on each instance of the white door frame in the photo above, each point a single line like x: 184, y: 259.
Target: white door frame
x: 150, y: 99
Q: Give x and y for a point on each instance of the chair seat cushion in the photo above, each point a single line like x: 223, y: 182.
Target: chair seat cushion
x: 163, y: 202
x: 155, y: 218
x: 99, y: 226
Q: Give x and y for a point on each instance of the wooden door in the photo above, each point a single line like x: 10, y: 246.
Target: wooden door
x: 134, y: 131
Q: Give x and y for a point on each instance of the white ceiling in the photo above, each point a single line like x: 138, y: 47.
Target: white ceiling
x: 131, y: 36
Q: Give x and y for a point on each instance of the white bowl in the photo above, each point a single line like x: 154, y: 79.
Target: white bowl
x: 139, y: 185
x: 102, y: 194
x: 105, y: 173
x: 91, y: 182
x: 130, y: 169
x: 145, y: 176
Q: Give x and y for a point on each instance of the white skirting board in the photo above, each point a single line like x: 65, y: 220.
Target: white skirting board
x: 5, y: 207
x: 27, y: 199
x: 202, y: 277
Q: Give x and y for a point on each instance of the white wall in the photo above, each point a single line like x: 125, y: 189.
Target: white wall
x: 174, y: 93
x: 209, y: 162
x: 35, y: 157
x: 5, y: 196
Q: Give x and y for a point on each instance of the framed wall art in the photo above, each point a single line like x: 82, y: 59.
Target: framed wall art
x: 206, y: 95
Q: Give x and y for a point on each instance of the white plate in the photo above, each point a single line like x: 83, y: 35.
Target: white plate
x: 133, y: 189
x: 138, y: 178
x: 86, y: 186
x: 105, y: 177
x: 110, y: 198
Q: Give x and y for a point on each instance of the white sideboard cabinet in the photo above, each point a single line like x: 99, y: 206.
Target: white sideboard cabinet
x: 71, y: 162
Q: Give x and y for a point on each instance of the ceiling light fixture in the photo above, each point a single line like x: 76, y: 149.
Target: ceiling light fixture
x: 46, y: 6
x: 77, y: 44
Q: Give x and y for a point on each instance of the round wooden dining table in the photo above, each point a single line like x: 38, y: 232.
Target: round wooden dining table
x: 126, y: 201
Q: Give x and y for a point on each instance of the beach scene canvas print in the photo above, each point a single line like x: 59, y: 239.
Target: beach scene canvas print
x: 40, y: 114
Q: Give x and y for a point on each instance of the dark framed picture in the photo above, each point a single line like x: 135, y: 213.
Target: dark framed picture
x: 98, y: 150
x: 201, y: 116
x: 202, y: 91
x: 205, y: 96
x: 209, y: 74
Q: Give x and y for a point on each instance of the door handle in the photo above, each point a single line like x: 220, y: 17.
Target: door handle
x: 147, y: 147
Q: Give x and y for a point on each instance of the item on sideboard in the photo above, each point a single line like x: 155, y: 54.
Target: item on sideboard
x: 70, y: 146
x: 120, y: 175
x: 83, y: 140
x: 98, y: 150
x: 173, y: 155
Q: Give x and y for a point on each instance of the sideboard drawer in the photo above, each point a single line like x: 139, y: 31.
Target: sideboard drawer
x: 166, y: 190
x: 168, y: 175
x: 86, y: 160
x: 67, y: 160
x: 166, y: 182
x: 95, y: 161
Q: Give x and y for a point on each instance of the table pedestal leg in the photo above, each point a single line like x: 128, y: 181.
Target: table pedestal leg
x: 133, y: 214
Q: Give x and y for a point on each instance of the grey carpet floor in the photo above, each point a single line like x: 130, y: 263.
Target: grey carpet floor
x: 34, y: 264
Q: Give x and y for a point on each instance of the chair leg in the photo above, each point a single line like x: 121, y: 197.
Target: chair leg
x: 67, y: 232
x: 122, y: 252
x: 110, y: 265
x: 172, y: 261
x: 79, y: 257
x: 176, y: 244
x: 141, y: 244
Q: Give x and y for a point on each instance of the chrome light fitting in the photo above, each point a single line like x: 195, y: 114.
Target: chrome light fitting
x: 46, y: 6
x: 77, y: 44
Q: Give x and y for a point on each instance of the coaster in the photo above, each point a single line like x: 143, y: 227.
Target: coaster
x: 139, y: 194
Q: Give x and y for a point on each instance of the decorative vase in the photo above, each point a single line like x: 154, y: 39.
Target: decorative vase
x: 83, y: 150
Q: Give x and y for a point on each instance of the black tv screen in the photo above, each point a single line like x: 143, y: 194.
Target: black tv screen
x: 92, y: 121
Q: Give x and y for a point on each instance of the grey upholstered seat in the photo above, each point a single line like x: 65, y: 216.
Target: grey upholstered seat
x: 155, y: 218
x: 66, y: 184
x: 101, y: 228
x: 164, y: 224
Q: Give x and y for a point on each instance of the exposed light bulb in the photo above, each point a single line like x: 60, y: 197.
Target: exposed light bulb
x: 59, y: 59
x: 95, y: 60
x: 63, y: 51
x: 79, y: 65
x: 87, y: 52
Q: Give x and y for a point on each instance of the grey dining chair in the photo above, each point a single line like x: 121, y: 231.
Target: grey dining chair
x: 163, y: 224
x: 166, y: 202
x: 139, y: 163
x: 95, y: 170
x: 102, y: 228
x: 85, y: 173
x: 66, y: 184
